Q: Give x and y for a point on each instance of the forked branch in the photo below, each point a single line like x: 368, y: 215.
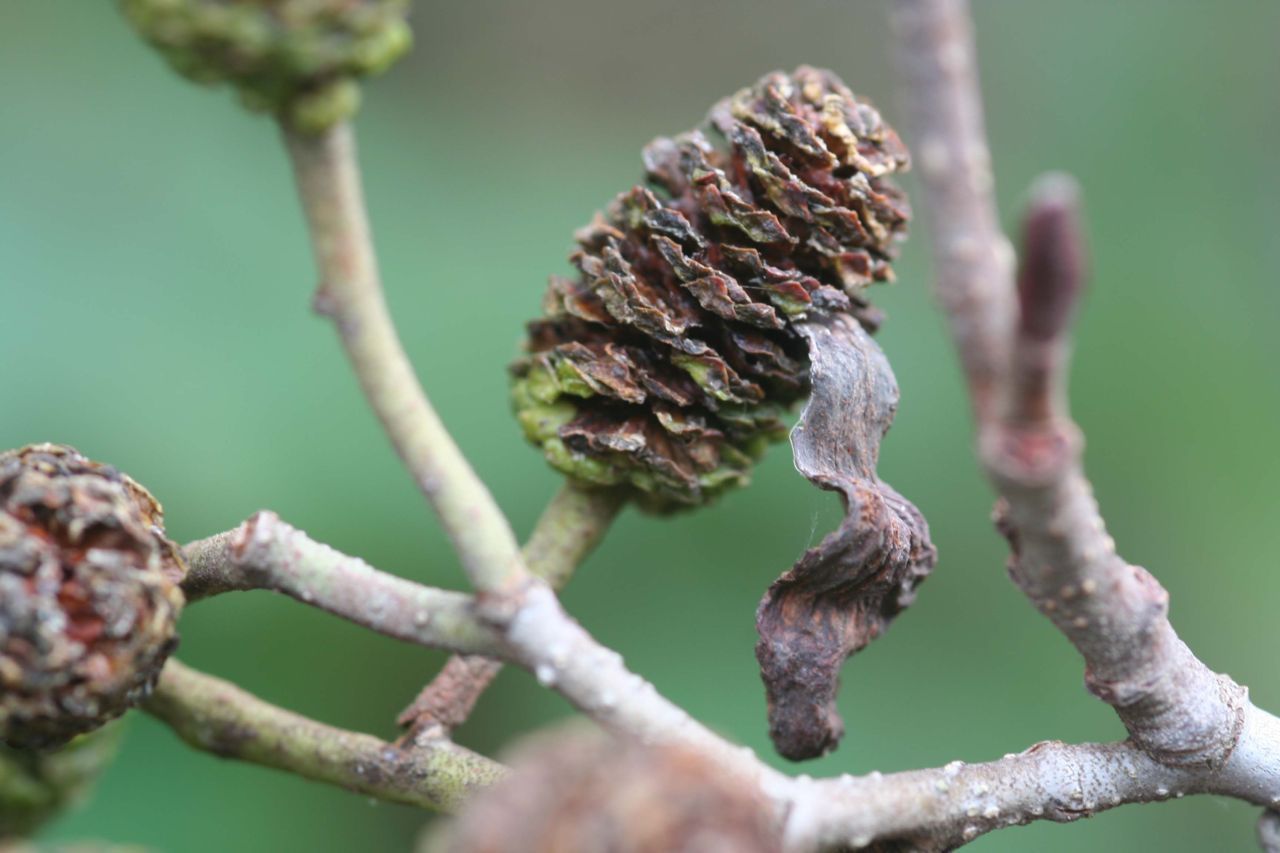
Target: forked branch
x: 933, y: 809
x: 1177, y: 711
x: 570, y: 528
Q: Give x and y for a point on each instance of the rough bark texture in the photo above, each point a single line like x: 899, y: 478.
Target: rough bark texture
x: 843, y: 593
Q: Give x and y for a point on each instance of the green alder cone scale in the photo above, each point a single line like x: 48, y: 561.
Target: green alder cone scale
x: 89, y: 595
x: 37, y: 785
x: 298, y: 59
x: 667, y: 364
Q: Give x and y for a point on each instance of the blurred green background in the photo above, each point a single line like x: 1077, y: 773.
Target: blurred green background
x: 154, y: 289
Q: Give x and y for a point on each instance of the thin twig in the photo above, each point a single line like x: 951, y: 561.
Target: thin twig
x: 546, y: 641
x: 569, y: 529
x: 1177, y: 711
x: 526, y: 626
x: 971, y: 257
x: 218, y: 717
x: 266, y: 553
x: 935, y: 808
x: 350, y: 292
x: 1115, y: 614
x: 944, y: 808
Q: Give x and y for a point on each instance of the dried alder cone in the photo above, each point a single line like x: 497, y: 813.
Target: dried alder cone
x: 708, y: 303
x: 88, y: 594
x: 582, y: 790
x: 665, y: 365
x: 299, y: 59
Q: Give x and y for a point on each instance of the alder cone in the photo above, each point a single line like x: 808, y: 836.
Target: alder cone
x: 89, y: 594
x: 579, y: 790
x: 300, y: 59
x: 666, y: 364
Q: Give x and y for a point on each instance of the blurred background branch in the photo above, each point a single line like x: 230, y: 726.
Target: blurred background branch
x: 350, y: 291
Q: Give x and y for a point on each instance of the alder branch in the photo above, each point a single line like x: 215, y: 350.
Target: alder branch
x: 218, y: 717
x: 1115, y: 614
x: 939, y: 807
x: 972, y: 258
x: 569, y: 529
x: 1177, y: 711
x: 350, y: 292
x: 947, y: 807
x: 921, y: 806
x: 525, y: 625
x: 266, y: 553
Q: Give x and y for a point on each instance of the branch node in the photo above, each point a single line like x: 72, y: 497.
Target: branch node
x: 322, y: 301
x: 1030, y: 456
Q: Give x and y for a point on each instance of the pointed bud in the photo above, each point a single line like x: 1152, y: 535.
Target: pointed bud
x: 1052, y: 268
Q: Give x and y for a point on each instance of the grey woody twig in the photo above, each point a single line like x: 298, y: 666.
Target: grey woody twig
x: 1115, y: 614
x: 218, y: 717
x: 266, y: 553
x: 328, y: 179
x: 944, y: 808
x: 569, y: 529
x: 528, y: 626
x: 971, y: 256
x: 1177, y: 711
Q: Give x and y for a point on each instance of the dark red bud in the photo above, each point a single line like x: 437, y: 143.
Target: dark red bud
x: 1052, y: 268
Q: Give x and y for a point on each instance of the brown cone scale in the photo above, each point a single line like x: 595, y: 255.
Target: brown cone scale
x: 88, y: 594
x: 664, y: 366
